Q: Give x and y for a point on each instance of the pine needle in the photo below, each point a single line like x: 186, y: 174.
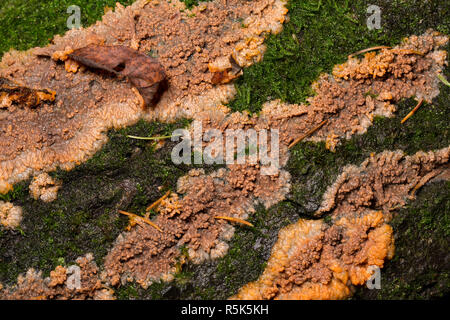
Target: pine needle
x: 444, y: 81
x: 156, y: 203
x: 412, y: 111
x: 369, y: 49
x: 310, y: 132
x: 153, y: 138
x: 235, y: 220
x: 138, y: 218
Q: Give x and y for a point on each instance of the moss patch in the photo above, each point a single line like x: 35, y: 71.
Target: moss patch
x: 126, y: 174
x: 326, y: 34
x: 420, y: 268
x: 29, y: 23
x: 321, y: 34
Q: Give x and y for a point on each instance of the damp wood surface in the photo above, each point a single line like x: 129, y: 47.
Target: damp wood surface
x: 312, y: 166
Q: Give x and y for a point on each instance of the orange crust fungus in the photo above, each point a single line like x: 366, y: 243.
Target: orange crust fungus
x: 200, y: 52
x: 62, y: 284
x: 70, y: 130
x: 44, y: 187
x: 10, y: 215
x: 314, y: 260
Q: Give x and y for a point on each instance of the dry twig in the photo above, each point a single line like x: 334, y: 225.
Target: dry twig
x: 310, y: 132
x: 412, y: 111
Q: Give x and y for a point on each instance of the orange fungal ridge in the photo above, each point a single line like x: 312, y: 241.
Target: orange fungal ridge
x: 69, y: 130
x: 202, y: 51
x: 315, y: 260
x: 78, y: 282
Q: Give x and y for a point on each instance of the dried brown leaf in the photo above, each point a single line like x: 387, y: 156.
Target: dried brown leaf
x: 144, y: 72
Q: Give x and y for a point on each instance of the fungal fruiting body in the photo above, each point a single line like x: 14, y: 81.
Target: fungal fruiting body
x: 68, y: 131
x: 10, y: 215
x: 44, y: 187
x: 201, y: 55
x: 316, y: 260
x: 80, y: 281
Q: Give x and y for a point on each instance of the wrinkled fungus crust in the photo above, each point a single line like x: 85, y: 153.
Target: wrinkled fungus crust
x: 146, y: 254
x: 201, y: 52
x: 70, y: 130
x: 10, y: 215
x: 315, y: 260
x: 64, y: 283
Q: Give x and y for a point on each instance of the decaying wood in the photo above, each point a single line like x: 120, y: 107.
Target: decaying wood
x: 14, y: 94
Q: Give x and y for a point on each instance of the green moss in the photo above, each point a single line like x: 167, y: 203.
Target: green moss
x: 125, y: 174
x: 245, y: 261
x: 321, y: 34
x: 29, y: 23
x: 419, y: 269
x: 192, y: 3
